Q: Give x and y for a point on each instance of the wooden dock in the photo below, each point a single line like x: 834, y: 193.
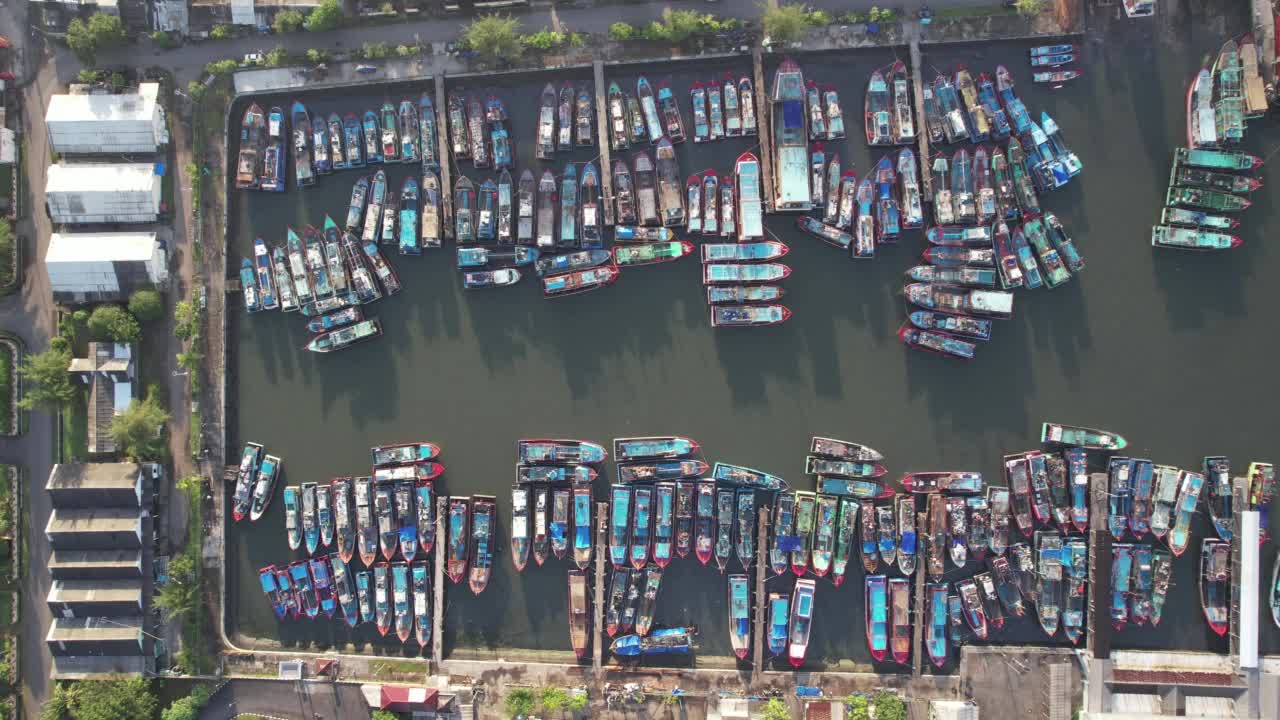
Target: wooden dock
x: 921, y: 614
x: 603, y: 141
x: 446, y: 160
x: 1098, y: 625
x: 437, y: 588
x: 763, y: 107
x: 599, y: 599
x: 762, y: 608
x: 922, y: 126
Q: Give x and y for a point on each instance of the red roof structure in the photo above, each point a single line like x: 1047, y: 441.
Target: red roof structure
x: 399, y: 698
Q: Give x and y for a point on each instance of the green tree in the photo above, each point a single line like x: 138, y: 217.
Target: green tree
x: 818, y: 18
x: 47, y: 384
x: 186, y: 319
x: 222, y: 32
x: 785, y: 23
x: 179, y: 595
x: 554, y: 699
x: 187, y: 708
x: 326, y: 16
x: 112, y: 322
x: 221, y: 67
x: 544, y: 40
x: 776, y: 709
x: 55, y: 708
x: 621, y: 32
x: 387, y: 9
x: 519, y: 702
x: 101, y: 32
x: 129, y: 699
x: 1030, y: 7
x: 146, y: 305
x: 163, y: 39
x: 857, y: 705
x: 578, y: 701
x: 317, y: 56
x: 375, y: 51
x: 136, y: 431
x: 190, y: 359
x: 889, y: 706
x: 494, y: 37
x: 405, y: 50
x: 88, y: 76
x: 288, y: 21
x: 195, y: 91
x: 277, y: 56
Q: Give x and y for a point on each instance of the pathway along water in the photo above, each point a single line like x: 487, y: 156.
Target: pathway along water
x: 1161, y: 347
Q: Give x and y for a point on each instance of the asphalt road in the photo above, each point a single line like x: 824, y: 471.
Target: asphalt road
x: 287, y: 701
x: 188, y: 61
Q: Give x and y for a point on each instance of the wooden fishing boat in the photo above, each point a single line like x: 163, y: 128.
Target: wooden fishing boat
x: 568, y: 208
x: 708, y: 191
x: 955, y: 124
x: 999, y: 122
x: 1182, y: 238
x: 868, y: 536
x: 853, y: 487
x: 826, y: 233
x: 816, y: 465
x: 381, y: 594
x: 1018, y: 476
x: 933, y: 121
x: 1120, y: 496
x: 1214, y: 579
x: 475, y: 132
x: 324, y: 514
x: 332, y: 248
x: 704, y: 521
x: 940, y: 343
x: 801, y: 625
x: 650, y: 253
x: 1006, y: 586
x: 653, y: 448
x: 715, y: 110
x: 684, y: 517
x: 885, y: 528
x: 559, y: 527
x: 701, y: 127
x: 1206, y: 199
x: 246, y: 476
x: 877, y: 616
x: 342, y: 588
x: 619, y: 138
x: 519, y: 526
x: 732, y: 107
x: 1262, y: 489
x: 249, y: 158
x: 937, y: 622
x: 1039, y: 485
x: 716, y: 273
x: 583, y: 530
x: 546, y: 145
x: 998, y: 506
x: 640, y: 521
x: 960, y: 325
x: 459, y: 537
x: 310, y: 522
x: 845, y: 530
x: 663, y: 522
x: 400, y: 600
x: 734, y: 294
x: 975, y: 614
x: 733, y: 252
x: 578, y: 281
x: 1140, y: 494
x: 739, y: 615
x: 344, y: 518
x: 805, y: 519
x: 864, y: 235
x: 646, y: 190
x: 1049, y: 578
x: 957, y: 529
x: 878, y: 117
x: 652, y: 582
x: 303, y: 170
x: 978, y: 537
x: 672, y: 122
x: 389, y: 135
x: 408, y: 131
x: 888, y: 214
x: 747, y: 477
x: 303, y: 590
x: 623, y: 194
x: 844, y: 450
x: 746, y: 97
x: 1217, y: 493
x: 649, y: 109
x: 583, y: 118
x: 725, y: 502
x: 1189, y: 487
x: 778, y: 618
x: 637, y: 126
x: 1053, y: 61
x: 568, y: 262
x: 619, y: 525
x: 1140, y: 594
x: 322, y: 583
x: 824, y: 535
x: 1216, y: 159
x: 542, y: 474
x: 748, y: 315
x: 1078, y: 436
x: 784, y: 538
x: 589, y: 195
x: 990, y: 600
x: 975, y: 112
x: 481, y: 552
x: 283, y: 280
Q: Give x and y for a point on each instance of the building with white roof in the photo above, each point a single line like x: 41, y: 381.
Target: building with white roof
x: 86, y: 193
x: 107, y: 124
x: 102, y: 267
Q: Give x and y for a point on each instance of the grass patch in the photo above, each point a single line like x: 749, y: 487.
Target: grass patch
x: 7, y: 390
x: 384, y: 667
x: 6, y: 182
x: 195, y: 435
x: 75, y: 427
x: 975, y: 11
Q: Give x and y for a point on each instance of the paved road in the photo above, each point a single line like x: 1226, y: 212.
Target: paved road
x: 188, y: 61
x: 287, y: 701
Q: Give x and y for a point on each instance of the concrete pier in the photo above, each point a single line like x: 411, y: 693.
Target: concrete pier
x: 763, y: 108
x: 1239, y: 499
x: 762, y: 607
x: 437, y: 608
x: 921, y: 613
x: 598, y: 603
x: 922, y: 126
x: 1098, y: 634
x: 603, y: 140
x: 446, y: 160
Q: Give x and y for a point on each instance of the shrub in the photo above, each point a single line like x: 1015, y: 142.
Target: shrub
x: 112, y: 322
x: 117, y: 81
x: 88, y: 76
x: 288, y: 21
x: 621, y: 32
x: 6, y: 403
x: 221, y: 67
x: 164, y: 40
x: 375, y: 51
x: 8, y: 253
x: 857, y: 705
x: 326, y: 16
x: 554, y: 699
x: 222, y: 32
x: 544, y: 40
x: 494, y: 37
x: 818, y: 18
x: 889, y: 706
x: 519, y: 702
x: 186, y: 320
x: 405, y: 50
x: 678, y: 26
x: 387, y: 9
x: 578, y: 702
x: 776, y: 709
x: 1030, y: 7
x: 146, y: 305
x: 196, y: 90
x: 187, y: 708
x: 277, y: 56
x: 785, y: 23
x: 317, y: 56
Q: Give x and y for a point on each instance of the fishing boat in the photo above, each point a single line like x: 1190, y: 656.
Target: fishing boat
x: 936, y: 621
x: 846, y: 525
x: 475, y: 131
x: 888, y: 214
x: 582, y: 528
x: 404, y: 453
x: 382, y: 590
x: 400, y: 600
x: 283, y: 280
x: 943, y: 206
x: 957, y: 257
x: 704, y: 521
x: 701, y: 126
x: 637, y: 126
x: 1120, y: 496
x: 332, y: 247
x: 324, y: 514
x: 739, y: 615
x: 377, y: 195
x: 716, y: 273
x: 684, y: 517
x: 1049, y: 578
x: 748, y: 315
x: 619, y: 525
x: 957, y: 524
x: 483, y: 517
x: 345, y: 337
x: 1214, y: 579
x: 732, y: 107
x: 877, y: 113
x: 816, y: 465
x: 885, y: 526
x: 1262, y: 488
x: 1018, y: 476
x: 520, y: 527
x: 1039, y: 486
x: 459, y: 535
x: 975, y: 112
x: 826, y: 233
x: 1079, y: 436
x: 785, y: 541
x: 366, y: 523
x: 747, y: 477
x: 667, y: 641
x: 672, y: 122
x: 791, y: 155
x: 249, y: 158
x: 390, y: 134
x: 940, y: 343
x: 542, y: 474
x: 579, y: 281
x: 372, y: 137
x: 725, y: 503
x: 663, y: 522
x: 1140, y: 597
x: 641, y: 519
x: 749, y: 223
x: 998, y: 506
x: 715, y: 111
x: 568, y: 262
x: 746, y: 97
x: 424, y: 500
x: 490, y: 278
x: 546, y: 145
x: 623, y: 194
x: 1062, y: 243
x: 962, y: 188
x: 955, y: 126
x: 1217, y: 494
x: 650, y: 253
x: 933, y: 120
x: 385, y: 516
x: 983, y: 185
x: 1121, y: 571
x: 579, y: 607
x: 1023, y: 186
x: 990, y: 600
x: 558, y: 530
x: 877, y: 616
x: 649, y: 109
x: 1189, y: 487
x: 303, y: 589
x: 1182, y: 238
x: 246, y: 476
x: 408, y: 231
x: 342, y: 588
x: 652, y: 582
x: 589, y: 196
x: 1059, y: 497
x: 738, y: 252
x: 1056, y: 60
x: 568, y: 207
x: 408, y: 131
x: 486, y: 216
x: 499, y: 137
x: 801, y: 624
x: 868, y: 536
x: 998, y: 121
x: 708, y: 194
x: 427, y: 137
x: 344, y: 519
x: 653, y: 448
x: 1026, y: 260
x: 1140, y: 494
x: 1006, y: 586
x: 979, y: 534
x: 646, y: 190
x: 670, y: 198
x: 619, y: 138
x: 864, y: 245
x: 1077, y: 468
x: 805, y: 519
x: 421, y: 604
x: 734, y: 294
x: 824, y: 535
x: 830, y: 204
x: 1204, y: 199
x: 960, y: 325
x: 1006, y: 257
x: 303, y: 170
x: 310, y: 522
x: 975, y: 614
x: 1161, y: 574
x: 322, y: 583
x: 1216, y: 159
x: 778, y: 618
x: 1007, y: 207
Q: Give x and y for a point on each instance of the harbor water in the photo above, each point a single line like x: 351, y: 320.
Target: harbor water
x: 1172, y: 350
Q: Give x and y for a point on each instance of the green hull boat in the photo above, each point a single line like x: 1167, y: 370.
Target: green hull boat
x: 1077, y: 436
x: 1192, y: 239
x: 648, y: 253
x: 1226, y: 182
x: 1216, y: 159
x: 1205, y: 199
x: 1183, y: 216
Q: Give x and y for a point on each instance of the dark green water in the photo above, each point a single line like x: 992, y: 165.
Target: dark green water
x: 1164, y: 348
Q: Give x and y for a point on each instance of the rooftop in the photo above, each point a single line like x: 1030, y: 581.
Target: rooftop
x: 97, y: 667
x: 101, y: 177
x: 77, y: 520
x: 73, y: 476
x: 94, y: 629
x: 101, y: 591
x: 104, y: 108
x: 65, y: 559
x: 100, y: 246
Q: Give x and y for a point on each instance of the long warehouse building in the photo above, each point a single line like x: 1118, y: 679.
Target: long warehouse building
x: 128, y: 123
x: 95, y: 193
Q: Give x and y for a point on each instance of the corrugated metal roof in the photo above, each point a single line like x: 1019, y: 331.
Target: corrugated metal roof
x: 104, y: 108
x: 101, y: 177
x: 101, y: 591
x: 94, y: 628
x: 106, y: 246
x: 74, y: 476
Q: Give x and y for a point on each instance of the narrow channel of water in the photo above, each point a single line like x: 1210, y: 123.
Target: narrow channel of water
x: 1165, y: 348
